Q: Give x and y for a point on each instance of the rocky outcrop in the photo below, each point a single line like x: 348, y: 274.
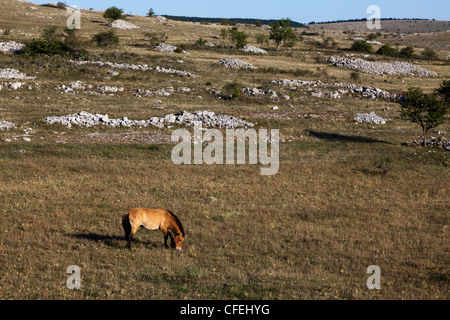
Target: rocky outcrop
x: 235, y: 63
x: 250, y: 48
x: 123, y: 25
x: 11, y: 46
x: 365, y: 91
x: 255, y: 92
x: 164, y: 47
x: 205, y: 118
x: 370, y: 118
x: 14, y: 74
x: 381, y: 68
x: 130, y: 66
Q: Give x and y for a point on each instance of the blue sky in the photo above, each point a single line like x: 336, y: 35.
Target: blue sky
x: 298, y: 10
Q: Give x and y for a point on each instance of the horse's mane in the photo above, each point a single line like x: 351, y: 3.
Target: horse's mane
x: 178, y: 222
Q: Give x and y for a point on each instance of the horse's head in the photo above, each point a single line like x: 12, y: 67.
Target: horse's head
x: 178, y: 240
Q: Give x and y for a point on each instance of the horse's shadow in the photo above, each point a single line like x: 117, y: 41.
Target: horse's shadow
x: 343, y: 138
x: 111, y: 241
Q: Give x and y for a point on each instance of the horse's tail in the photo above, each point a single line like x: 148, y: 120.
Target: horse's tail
x: 178, y: 222
x: 126, y: 225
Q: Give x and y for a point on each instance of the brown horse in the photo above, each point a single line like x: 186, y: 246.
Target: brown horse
x: 154, y: 219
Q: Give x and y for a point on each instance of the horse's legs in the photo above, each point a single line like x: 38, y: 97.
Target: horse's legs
x: 165, y: 240
x: 167, y: 234
x: 130, y: 236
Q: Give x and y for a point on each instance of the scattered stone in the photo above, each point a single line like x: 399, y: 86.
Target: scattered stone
x: 184, y: 89
x: 164, y: 47
x: 161, y: 19
x: 5, y: 125
x: 73, y: 87
x: 26, y: 139
x: 441, y: 142
x: 14, y: 74
x: 235, y: 63
x: 259, y: 93
x: 113, y: 73
x: 250, y: 48
x: 11, y: 85
x: 370, y: 118
x: 377, y: 43
x: 161, y: 92
x: 105, y: 89
x: 381, y: 68
x: 11, y: 46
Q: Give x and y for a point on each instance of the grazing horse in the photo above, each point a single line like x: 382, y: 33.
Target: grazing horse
x: 154, y: 219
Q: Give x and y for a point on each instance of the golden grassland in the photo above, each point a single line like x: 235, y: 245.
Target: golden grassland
x: 346, y: 196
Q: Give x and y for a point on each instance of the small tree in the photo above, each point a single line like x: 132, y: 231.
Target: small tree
x: 238, y: 37
x: 424, y: 109
x: 151, y: 13
x: 281, y: 31
x: 113, y: 13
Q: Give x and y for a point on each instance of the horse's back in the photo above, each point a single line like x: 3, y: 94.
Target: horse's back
x: 151, y: 219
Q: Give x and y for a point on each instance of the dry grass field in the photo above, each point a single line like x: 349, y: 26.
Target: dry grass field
x: 347, y: 195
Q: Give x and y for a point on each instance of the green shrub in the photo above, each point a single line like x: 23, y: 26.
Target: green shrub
x: 156, y: 38
x: 37, y: 47
x: 200, y: 42
x: 107, y: 38
x: 361, y: 46
x: 51, y: 34
x: 428, y: 54
x: 223, y: 33
x: 53, y: 43
x: 327, y: 42
x: 355, y: 76
x: 113, y: 13
x: 407, y: 52
x: 61, y: 5
x: 73, y: 41
x: 388, y: 50
x: 261, y: 39
x: 444, y: 91
x: 373, y: 36
x: 181, y: 48
x: 233, y: 90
